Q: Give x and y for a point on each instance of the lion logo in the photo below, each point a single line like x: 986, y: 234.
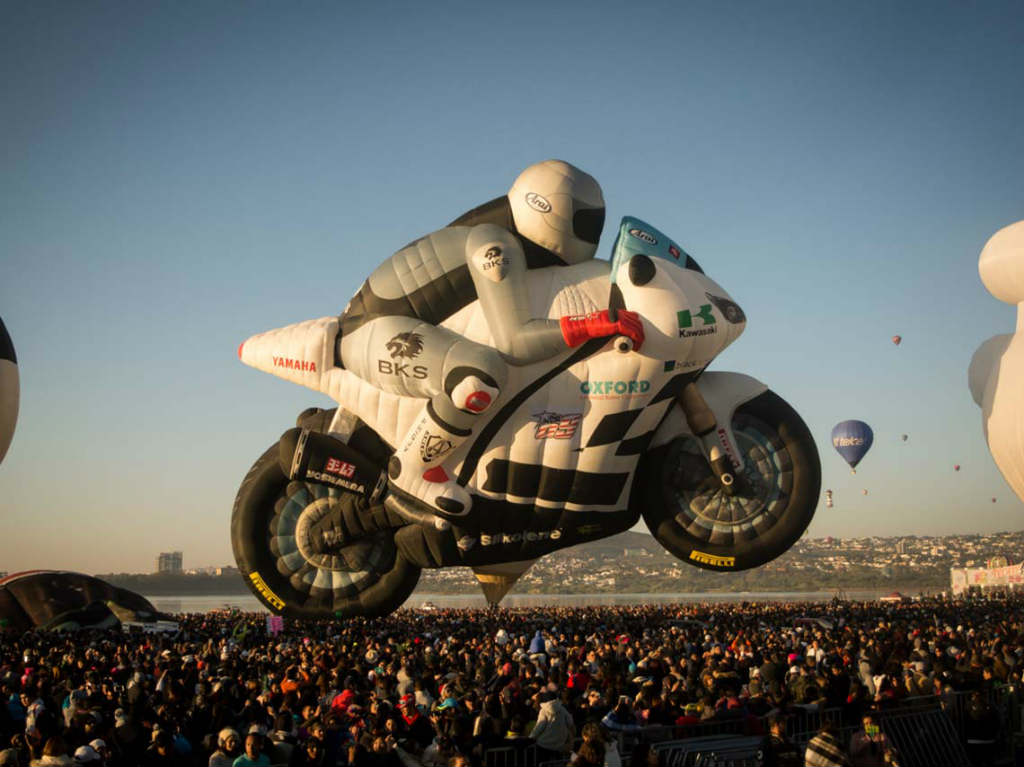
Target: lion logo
x: 407, y: 345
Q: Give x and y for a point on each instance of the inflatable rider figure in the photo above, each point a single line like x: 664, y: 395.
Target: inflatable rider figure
x: 552, y: 216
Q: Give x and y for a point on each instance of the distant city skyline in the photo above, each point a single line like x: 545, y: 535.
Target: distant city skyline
x: 180, y: 177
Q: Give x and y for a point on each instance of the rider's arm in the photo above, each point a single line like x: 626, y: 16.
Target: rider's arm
x: 498, y: 268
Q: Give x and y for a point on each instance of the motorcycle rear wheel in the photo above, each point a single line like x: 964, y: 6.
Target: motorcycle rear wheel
x: 280, y: 533
x: 690, y: 514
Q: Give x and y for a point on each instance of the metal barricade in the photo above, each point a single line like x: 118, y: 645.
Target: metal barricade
x: 712, y: 751
x: 510, y: 756
x: 923, y: 736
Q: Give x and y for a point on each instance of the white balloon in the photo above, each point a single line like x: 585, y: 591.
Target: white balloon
x: 996, y: 373
x: 1001, y: 264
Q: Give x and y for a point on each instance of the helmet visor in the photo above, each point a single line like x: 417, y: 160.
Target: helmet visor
x: 587, y: 224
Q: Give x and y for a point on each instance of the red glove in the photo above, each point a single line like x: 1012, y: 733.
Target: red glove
x: 582, y: 327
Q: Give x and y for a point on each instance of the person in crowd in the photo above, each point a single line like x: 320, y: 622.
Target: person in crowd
x: 229, y: 747
x: 825, y: 749
x: 554, y: 730
x: 780, y: 751
x: 55, y: 754
x: 869, y: 746
x: 330, y: 690
x: 254, y: 755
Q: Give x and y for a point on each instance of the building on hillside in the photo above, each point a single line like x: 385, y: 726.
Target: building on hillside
x: 169, y: 563
x: 963, y: 579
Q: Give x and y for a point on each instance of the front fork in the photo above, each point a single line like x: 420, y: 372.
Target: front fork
x: 717, y: 439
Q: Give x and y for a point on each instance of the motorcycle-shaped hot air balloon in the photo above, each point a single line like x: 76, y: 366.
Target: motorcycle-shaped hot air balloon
x: 852, y: 440
x: 580, y: 448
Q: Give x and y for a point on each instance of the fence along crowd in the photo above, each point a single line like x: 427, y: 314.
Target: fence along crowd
x: 640, y: 686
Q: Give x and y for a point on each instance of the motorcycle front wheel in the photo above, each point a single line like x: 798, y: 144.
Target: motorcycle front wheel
x: 692, y: 516
x: 286, y: 537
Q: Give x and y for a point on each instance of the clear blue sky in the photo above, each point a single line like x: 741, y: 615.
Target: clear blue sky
x: 177, y: 176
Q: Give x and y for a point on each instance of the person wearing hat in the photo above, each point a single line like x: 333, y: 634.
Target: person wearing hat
x: 229, y: 746
x: 253, y: 756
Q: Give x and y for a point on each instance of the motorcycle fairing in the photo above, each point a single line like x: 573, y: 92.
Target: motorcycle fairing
x: 636, y: 236
x: 723, y: 392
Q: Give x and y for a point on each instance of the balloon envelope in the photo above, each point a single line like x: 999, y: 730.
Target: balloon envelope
x: 8, y: 390
x: 956, y: 467
x: 852, y: 440
x: 904, y: 437
x: 896, y: 339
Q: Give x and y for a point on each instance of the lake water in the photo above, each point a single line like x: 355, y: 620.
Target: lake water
x: 247, y: 603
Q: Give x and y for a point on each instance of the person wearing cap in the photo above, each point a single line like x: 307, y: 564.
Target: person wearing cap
x: 253, y: 756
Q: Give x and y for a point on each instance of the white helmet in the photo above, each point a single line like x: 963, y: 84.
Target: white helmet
x: 559, y: 207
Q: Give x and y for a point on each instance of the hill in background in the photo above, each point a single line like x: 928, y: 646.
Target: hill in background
x: 632, y: 563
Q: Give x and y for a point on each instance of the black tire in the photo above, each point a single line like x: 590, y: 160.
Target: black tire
x: 687, y: 511
x: 368, y: 577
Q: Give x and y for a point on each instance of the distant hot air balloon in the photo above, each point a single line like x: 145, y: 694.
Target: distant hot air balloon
x: 864, y: 491
x: 956, y: 467
x: 828, y: 499
x: 904, y: 437
x: 896, y: 339
x: 852, y: 440
x: 993, y: 500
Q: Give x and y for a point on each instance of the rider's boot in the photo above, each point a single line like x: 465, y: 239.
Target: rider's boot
x: 417, y: 467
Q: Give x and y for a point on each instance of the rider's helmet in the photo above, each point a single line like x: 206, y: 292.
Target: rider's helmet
x: 559, y: 207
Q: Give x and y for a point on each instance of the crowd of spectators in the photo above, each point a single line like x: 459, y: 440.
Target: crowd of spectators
x: 442, y: 688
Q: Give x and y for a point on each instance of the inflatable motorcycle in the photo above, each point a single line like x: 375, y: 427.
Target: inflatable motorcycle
x: 723, y: 471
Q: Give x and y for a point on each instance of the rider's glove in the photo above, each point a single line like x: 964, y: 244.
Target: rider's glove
x: 581, y: 327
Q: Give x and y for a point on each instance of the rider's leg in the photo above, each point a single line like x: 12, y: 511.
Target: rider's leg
x: 461, y: 379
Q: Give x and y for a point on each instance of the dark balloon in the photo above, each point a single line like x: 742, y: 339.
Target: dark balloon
x: 51, y: 599
x: 904, y: 437
x: 852, y: 440
x: 8, y: 390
